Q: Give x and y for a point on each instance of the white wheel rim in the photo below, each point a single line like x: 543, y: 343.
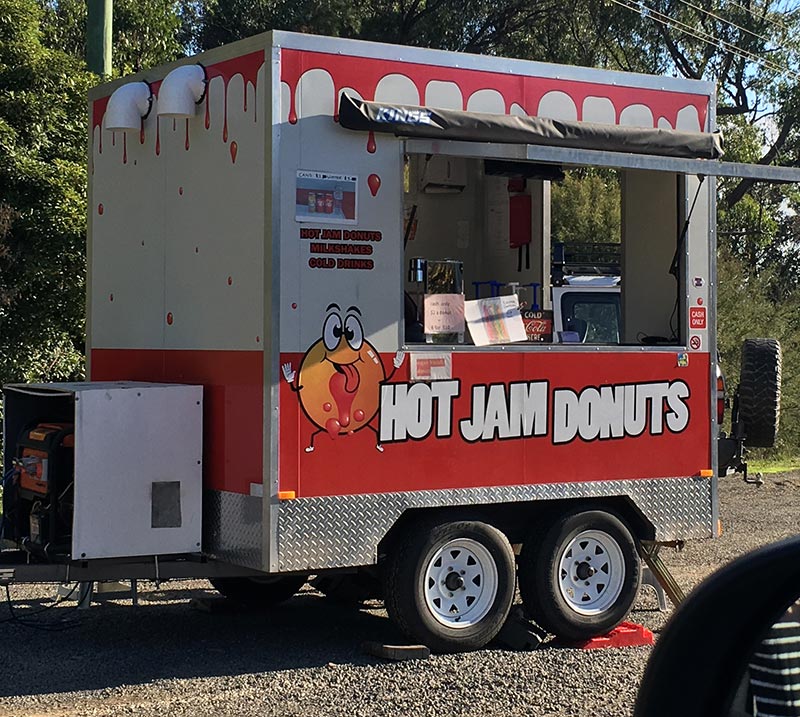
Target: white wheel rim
x: 460, y: 583
x: 591, y: 572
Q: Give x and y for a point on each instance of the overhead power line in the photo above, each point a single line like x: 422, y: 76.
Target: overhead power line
x: 647, y: 12
x: 727, y: 22
x: 752, y: 13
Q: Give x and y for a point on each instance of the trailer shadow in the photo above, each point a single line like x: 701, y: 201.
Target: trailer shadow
x: 164, y: 637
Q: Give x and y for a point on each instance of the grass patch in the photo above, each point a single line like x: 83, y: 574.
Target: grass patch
x: 773, y: 465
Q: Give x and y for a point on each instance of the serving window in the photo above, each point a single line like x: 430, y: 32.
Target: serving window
x: 491, y: 254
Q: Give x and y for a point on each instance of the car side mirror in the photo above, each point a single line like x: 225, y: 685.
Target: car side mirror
x: 698, y: 664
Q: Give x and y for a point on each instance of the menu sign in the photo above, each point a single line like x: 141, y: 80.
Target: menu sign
x: 444, y: 313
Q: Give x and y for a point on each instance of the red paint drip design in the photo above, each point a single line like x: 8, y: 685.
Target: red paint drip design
x: 98, y: 110
x: 225, y: 113
x: 169, y: 318
x: 186, y: 144
x: 100, y: 209
x: 234, y: 151
x: 124, y: 147
x: 230, y: 280
x: 180, y: 191
x: 371, y: 146
x: 363, y: 75
x: 247, y: 66
x: 374, y: 183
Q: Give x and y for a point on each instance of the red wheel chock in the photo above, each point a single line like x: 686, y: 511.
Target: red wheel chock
x: 627, y: 634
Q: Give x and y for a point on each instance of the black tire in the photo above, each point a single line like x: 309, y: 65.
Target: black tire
x: 590, y: 599
x: 349, y: 588
x: 259, y: 592
x: 482, y: 561
x: 760, y: 391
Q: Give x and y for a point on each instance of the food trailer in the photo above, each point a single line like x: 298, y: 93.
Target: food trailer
x: 321, y: 338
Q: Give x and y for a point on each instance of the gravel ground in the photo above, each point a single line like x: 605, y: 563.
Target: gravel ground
x: 304, y: 658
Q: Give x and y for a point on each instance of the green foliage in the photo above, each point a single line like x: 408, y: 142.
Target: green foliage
x: 145, y: 33
x: 747, y: 309
x: 42, y: 201
x: 586, y: 207
x: 593, y: 33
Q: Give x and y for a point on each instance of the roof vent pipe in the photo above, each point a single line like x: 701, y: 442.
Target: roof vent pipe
x: 128, y: 106
x: 181, y: 91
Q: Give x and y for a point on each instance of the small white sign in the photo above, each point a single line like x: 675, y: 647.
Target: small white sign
x: 431, y: 366
x: 326, y: 197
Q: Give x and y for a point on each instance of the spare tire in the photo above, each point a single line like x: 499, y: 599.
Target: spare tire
x: 760, y: 391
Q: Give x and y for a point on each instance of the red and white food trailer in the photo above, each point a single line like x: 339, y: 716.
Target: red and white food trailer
x: 304, y: 355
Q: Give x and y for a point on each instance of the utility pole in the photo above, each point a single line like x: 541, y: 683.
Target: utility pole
x: 98, y: 36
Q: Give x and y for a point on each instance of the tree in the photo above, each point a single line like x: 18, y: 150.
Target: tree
x: 586, y: 207
x: 537, y: 29
x: 42, y: 201
x: 145, y: 33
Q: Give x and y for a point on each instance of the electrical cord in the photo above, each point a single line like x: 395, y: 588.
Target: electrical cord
x: 57, y: 626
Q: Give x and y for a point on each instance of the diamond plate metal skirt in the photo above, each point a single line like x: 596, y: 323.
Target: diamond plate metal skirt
x: 232, y: 528
x: 344, y: 531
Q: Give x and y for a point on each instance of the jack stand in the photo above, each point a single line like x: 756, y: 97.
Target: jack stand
x: 82, y: 592
x: 649, y: 551
x: 85, y: 591
x: 758, y: 479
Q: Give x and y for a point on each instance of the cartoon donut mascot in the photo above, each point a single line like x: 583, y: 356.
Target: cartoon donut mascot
x: 340, y: 376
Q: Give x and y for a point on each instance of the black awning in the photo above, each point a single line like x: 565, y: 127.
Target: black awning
x: 413, y: 121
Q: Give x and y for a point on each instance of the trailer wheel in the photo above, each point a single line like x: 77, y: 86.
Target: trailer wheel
x: 263, y: 592
x: 760, y: 391
x: 579, y: 575
x: 451, y: 585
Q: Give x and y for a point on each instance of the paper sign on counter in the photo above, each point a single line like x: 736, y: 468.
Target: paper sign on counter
x: 495, y: 320
x: 444, y: 313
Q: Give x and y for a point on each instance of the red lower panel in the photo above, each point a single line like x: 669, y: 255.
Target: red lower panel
x: 232, y: 398
x: 503, y: 419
